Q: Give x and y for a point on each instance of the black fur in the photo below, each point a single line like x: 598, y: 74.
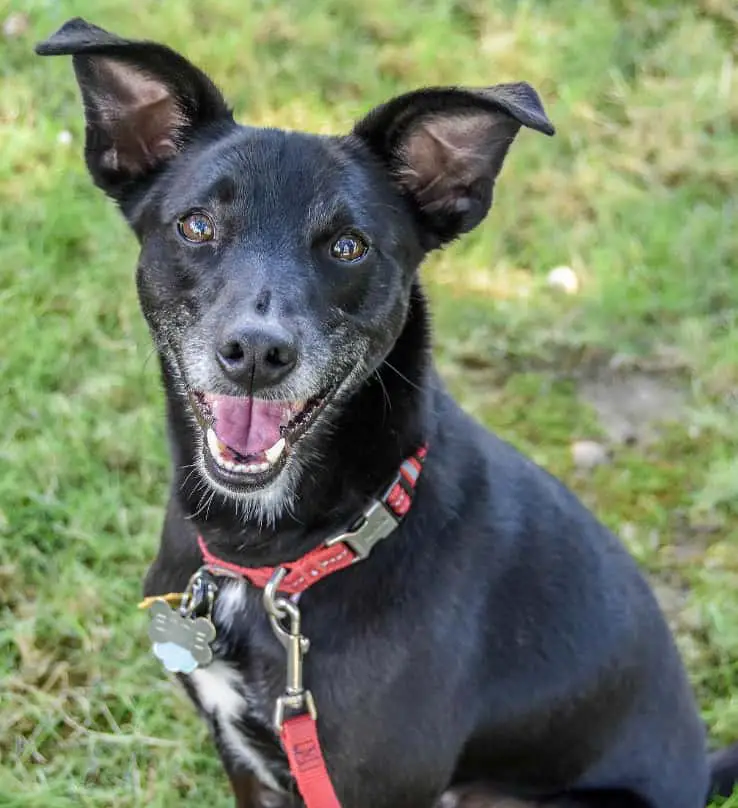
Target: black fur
x: 501, y: 640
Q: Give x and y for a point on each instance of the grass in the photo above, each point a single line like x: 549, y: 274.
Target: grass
x: 636, y: 194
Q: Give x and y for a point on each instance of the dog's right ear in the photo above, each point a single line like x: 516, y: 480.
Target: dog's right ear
x: 444, y: 147
x: 143, y: 102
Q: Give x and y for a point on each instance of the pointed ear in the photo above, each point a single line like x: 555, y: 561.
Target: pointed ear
x: 143, y: 102
x: 445, y: 146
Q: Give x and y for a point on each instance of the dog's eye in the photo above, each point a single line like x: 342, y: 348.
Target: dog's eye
x: 196, y: 227
x: 349, y: 247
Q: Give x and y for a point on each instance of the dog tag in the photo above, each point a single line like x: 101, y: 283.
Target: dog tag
x: 181, y: 642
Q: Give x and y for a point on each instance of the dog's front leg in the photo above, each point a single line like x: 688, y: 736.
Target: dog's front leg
x: 246, y: 790
x: 250, y: 793
x: 480, y: 795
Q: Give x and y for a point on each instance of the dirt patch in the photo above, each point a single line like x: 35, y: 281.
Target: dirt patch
x: 631, y: 406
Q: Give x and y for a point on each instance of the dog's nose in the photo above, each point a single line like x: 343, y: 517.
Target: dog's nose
x: 257, y: 358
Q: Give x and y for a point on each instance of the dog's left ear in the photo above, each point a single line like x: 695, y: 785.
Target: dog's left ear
x: 445, y: 146
x: 143, y: 102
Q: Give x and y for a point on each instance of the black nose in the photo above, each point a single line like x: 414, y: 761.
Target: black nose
x: 257, y: 357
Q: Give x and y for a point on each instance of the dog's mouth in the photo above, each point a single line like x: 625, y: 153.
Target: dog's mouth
x: 247, y: 440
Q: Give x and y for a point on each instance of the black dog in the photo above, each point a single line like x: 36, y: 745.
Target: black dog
x: 498, y: 646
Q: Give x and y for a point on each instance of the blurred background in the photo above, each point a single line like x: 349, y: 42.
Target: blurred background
x: 592, y: 321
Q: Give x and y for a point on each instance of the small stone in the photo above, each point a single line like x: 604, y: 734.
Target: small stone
x: 563, y: 278
x: 64, y: 137
x: 628, y: 532
x: 15, y: 25
x: 588, y: 454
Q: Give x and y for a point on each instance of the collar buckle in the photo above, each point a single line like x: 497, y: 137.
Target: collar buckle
x: 377, y: 523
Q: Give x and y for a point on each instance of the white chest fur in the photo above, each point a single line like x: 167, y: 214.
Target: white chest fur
x: 225, y: 699
x: 221, y: 695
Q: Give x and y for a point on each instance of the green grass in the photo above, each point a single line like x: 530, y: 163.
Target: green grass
x: 636, y: 193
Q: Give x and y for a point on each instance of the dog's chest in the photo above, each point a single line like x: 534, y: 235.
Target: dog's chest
x: 236, y: 691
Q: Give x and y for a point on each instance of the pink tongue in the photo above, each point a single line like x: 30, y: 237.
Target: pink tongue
x: 246, y: 425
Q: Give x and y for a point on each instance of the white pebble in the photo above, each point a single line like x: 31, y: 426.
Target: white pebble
x: 628, y: 532
x: 563, y: 278
x: 15, y: 24
x: 587, y: 454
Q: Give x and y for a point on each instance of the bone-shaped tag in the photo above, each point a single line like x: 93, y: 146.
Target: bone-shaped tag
x: 181, y: 643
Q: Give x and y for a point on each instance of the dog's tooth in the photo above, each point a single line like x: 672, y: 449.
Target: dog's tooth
x: 214, y: 444
x: 255, y: 468
x: 218, y: 450
x: 273, y: 453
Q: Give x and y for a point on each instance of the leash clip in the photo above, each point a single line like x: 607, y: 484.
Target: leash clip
x: 199, y: 596
x: 284, y: 616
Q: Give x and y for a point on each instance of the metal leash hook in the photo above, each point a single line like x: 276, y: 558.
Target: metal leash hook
x: 280, y: 611
x: 199, y: 596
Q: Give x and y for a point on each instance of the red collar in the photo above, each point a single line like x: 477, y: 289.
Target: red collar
x: 376, y: 523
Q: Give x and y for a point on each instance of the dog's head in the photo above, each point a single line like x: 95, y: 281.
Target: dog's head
x: 276, y: 267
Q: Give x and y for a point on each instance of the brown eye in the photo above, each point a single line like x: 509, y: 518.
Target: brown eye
x: 349, y: 247
x: 196, y: 227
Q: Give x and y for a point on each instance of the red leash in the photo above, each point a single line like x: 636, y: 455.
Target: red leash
x: 307, y: 764
x: 298, y: 732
